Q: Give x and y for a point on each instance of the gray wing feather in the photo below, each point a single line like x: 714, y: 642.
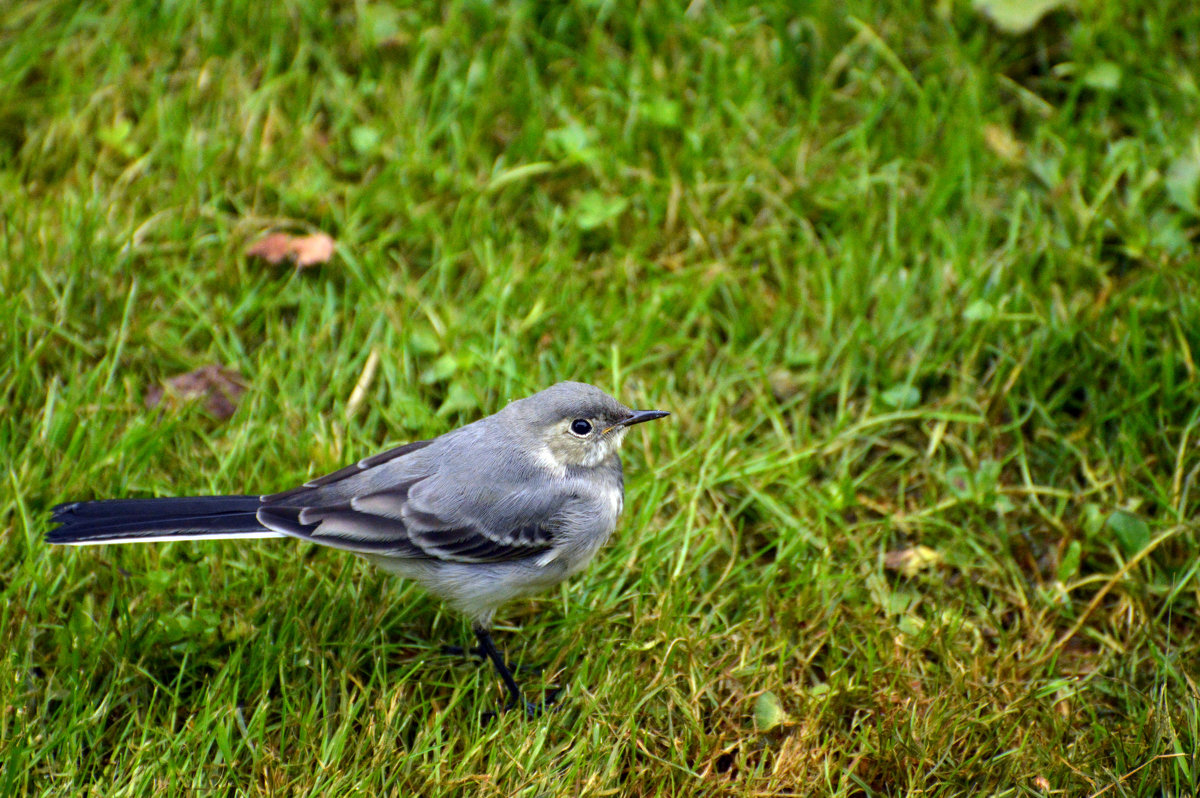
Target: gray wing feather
x: 344, y: 474
x: 406, y: 519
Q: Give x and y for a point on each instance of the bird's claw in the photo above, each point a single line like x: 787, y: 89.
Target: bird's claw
x: 459, y: 651
x: 477, y: 651
x: 549, y: 703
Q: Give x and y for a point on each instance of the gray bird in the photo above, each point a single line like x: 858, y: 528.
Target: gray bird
x: 501, y: 508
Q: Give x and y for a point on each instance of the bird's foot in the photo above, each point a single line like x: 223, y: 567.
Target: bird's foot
x: 549, y: 703
x: 478, y: 652
x: 459, y: 651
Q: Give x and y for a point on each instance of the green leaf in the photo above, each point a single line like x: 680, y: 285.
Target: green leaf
x: 365, y: 139
x: 422, y: 342
x: 662, y: 112
x: 1183, y: 179
x: 768, y: 712
x: 1132, y: 532
x: 442, y: 369
x: 117, y: 137
x: 595, y: 209
x: 1068, y: 566
x: 979, y: 310
x: 1168, y: 230
x: 573, y: 143
x: 1105, y: 76
x: 961, y: 482
x: 1093, y: 519
x: 117, y: 132
x: 987, y: 476
x: 459, y: 398
x: 1016, y: 16
x: 901, y: 397
x: 377, y: 23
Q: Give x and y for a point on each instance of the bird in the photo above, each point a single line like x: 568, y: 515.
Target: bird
x: 495, y: 510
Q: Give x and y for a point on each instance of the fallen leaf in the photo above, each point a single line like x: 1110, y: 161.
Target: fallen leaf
x: 1132, y: 533
x: 901, y: 397
x: 365, y: 139
x: 1104, y: 76
x: 910, y: 625
x: 596, y: 210
x: 911, y: 561
x: 784, y: 384
x: 1016, y: 16
x: 1068, y: 563
x: 272, y: 249
x: 218, y: 387
x: 768, y: 712
x: 979, y: 310
x: 313, y: 249
x: 1183, y: 179
x: 304, y: 250
x: 1000, y: 140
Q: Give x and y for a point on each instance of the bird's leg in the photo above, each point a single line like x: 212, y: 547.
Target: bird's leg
x: 488, y: 647
x: 478, y: 651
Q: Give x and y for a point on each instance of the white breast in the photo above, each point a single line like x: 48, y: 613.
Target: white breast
x: 616, y: 502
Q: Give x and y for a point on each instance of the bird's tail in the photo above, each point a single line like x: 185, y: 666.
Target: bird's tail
x: 149, y: 520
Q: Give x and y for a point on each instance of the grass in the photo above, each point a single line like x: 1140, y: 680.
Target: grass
x: 922, y: 295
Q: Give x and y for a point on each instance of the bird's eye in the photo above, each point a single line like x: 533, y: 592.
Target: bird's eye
x: 581, y: 427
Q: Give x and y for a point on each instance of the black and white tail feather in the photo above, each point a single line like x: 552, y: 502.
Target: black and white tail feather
x: 158, y: 520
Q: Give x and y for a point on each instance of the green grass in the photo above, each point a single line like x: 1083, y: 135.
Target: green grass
x: 904, y: 280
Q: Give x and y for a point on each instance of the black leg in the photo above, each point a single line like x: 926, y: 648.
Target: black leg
x: 489, y: 648
x: 477, y: 651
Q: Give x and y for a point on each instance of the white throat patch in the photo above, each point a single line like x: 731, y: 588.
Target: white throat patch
x: 605, y: 447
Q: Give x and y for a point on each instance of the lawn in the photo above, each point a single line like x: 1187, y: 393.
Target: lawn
x: 920, y: 288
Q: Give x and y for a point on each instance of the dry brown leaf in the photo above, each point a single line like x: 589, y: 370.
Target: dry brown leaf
x: 1001, y: 141
x: 272, y: 249
x: 313, y: 249
x: 218, y: 387
x: 911, y: 561
x: 304, y: 250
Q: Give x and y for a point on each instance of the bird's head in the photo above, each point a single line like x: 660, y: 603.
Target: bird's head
x: 575, y: 424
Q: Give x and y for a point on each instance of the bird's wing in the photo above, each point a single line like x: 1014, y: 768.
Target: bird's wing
x: 324, y: 485
x: 406, y: 519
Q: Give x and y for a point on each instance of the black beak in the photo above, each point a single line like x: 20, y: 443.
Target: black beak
x: 642, y: 415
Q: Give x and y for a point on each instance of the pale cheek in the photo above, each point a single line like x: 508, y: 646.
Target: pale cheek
x: 550, y: 461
